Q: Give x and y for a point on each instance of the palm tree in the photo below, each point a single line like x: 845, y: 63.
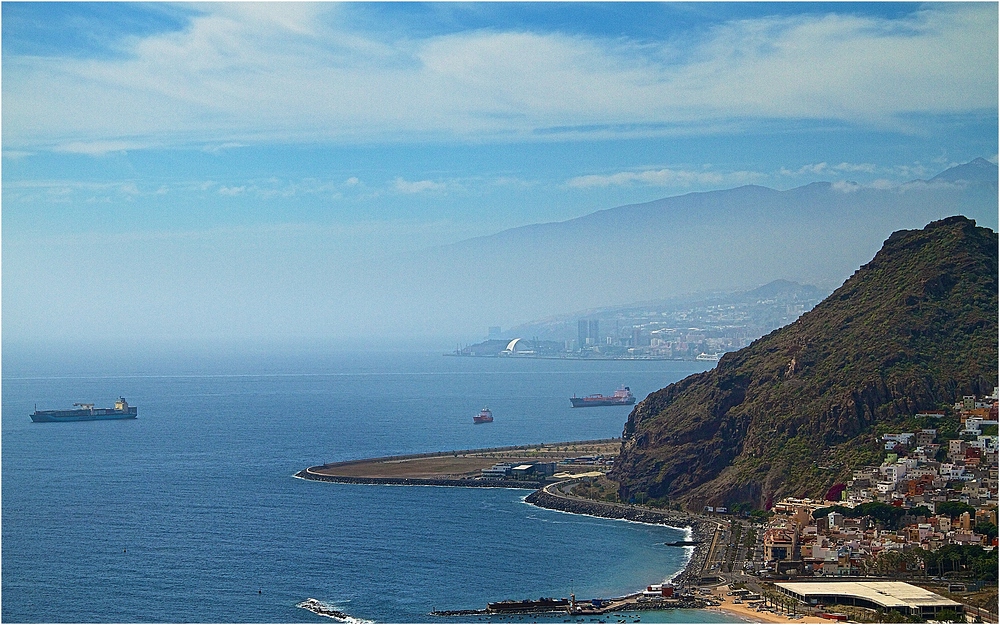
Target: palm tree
x: 956, y: 560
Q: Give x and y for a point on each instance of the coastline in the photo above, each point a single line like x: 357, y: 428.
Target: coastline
x: 699, y: 529
x: 461, y: 469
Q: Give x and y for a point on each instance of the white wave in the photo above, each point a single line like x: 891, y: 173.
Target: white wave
x: 687, y: 529
x: 330, y: 611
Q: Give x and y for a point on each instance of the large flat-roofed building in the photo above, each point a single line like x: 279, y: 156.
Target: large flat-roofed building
x: 904, y: 598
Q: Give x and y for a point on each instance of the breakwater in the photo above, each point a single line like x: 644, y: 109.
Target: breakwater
x: 702, y: 529
x: 630, y: 603
x: 469, y: 452
x: 309, y: 474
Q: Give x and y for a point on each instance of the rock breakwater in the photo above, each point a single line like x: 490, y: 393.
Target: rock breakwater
x: 702, y: 529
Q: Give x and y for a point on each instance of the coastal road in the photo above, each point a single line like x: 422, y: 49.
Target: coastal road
x: 711, y: 564
x: 733, y: 545
x: 725, y: 559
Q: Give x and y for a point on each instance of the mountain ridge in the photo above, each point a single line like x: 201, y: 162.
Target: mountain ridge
x: 725, y: 240
x: 910, y: 330
x: 977, y: 171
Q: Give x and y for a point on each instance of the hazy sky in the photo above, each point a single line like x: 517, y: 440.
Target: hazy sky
x: 216, y: 170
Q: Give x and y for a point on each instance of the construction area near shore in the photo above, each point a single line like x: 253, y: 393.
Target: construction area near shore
x: 574, y: 458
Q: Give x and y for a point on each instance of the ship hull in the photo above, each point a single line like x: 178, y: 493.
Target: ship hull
x: 581, y: 402
x: 55, y: 416
x: 541, y: 605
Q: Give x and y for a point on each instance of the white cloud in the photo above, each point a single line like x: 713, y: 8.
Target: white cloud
x: 16, y: 154
x: 222, y: 147
x: 62, y: 191
x: 845, y: 186
x: 820, y: 169
x: 915, y: 171
x: 98, y: 147
x: 419, y: 186
x: 867, y: 168
x: 662, y: 178
x: 247, y: 73
x: 817, y: 168
x: 884, y: 184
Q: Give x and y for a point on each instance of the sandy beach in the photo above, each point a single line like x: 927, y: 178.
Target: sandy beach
x: 749, y: 614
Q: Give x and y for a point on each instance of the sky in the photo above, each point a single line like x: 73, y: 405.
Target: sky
x: 214, y: 171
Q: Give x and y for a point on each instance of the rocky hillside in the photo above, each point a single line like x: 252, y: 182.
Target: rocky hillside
x: 793, y: 413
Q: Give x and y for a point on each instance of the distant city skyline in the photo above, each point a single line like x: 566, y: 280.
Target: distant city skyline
x: 237, y: 170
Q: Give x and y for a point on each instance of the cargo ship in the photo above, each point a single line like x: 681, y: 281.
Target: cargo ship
x: 621, y: 397
x: 543, y: 604
x: 484, y: 416
x: 87, y: 412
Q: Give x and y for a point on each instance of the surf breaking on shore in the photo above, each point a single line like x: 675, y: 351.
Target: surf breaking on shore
x: 329, y: 611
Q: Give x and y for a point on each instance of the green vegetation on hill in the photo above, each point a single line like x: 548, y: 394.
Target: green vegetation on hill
x: 887, y: 516
x: 968, y: 559
x: 796, y: 411
x: 954, y: 509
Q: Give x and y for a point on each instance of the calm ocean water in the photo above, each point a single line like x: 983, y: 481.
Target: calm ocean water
x: 191, y: 514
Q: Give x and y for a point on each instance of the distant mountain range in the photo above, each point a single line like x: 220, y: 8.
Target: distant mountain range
x: 913, y: 329
x: 716, y: 241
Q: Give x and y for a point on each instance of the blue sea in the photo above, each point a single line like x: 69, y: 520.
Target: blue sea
x: 191, y: 513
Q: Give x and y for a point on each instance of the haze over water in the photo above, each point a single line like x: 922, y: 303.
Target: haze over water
x: 310, y: 171
x: 340, y: 176
x: 187, y: 512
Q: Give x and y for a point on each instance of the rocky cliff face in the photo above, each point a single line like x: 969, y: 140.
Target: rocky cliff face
x: 789, y: 415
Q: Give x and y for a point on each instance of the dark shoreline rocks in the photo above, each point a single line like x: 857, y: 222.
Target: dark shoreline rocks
x: 702, y: 530
x: 318, y: 607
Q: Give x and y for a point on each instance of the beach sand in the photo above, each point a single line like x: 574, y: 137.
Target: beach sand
x: 749, y: 614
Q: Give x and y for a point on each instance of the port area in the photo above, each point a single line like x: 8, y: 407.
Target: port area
x: 465, y: 467
x: 593, y: 607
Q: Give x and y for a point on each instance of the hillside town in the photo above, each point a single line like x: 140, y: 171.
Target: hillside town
x: 927, y: 514
x: 928, y: 493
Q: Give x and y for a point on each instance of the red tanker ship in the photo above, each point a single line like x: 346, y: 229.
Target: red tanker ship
x: 622, y: 397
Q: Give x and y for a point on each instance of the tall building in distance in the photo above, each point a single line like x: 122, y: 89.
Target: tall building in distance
x: 637, y: 337
x: 588, y: 332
